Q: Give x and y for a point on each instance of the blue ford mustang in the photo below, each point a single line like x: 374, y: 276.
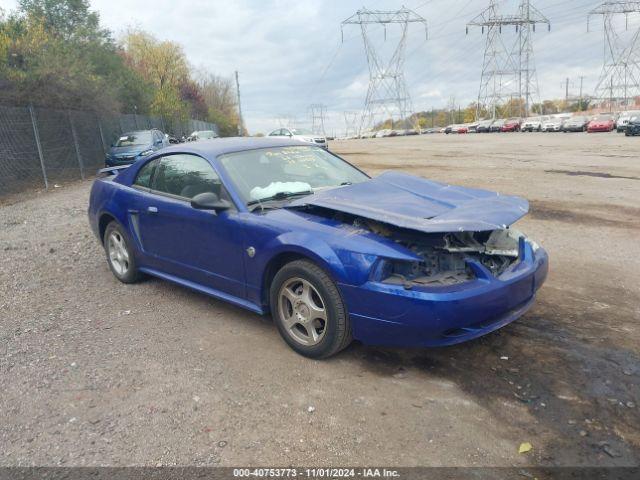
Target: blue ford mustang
x: 274, y: 225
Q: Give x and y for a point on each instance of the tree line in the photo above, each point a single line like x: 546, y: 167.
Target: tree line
x: 55, y: 53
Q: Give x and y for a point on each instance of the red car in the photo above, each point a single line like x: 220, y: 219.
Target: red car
x: 463, y: 130
x: 512, y: 125
x: 601, y: 123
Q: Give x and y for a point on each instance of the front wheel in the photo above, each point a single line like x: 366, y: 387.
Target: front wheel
x: 309, y: 311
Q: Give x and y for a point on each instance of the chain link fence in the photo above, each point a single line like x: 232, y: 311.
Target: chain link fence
x: 44, y: 147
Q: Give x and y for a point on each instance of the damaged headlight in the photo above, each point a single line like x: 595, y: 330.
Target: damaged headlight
x: 437, y: 270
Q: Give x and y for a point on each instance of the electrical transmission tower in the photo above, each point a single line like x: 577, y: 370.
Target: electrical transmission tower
x: 387, y: 97
x: 318, y: 112
x: 508, y: 72
x: 619, y: 81
x: 351, y: 124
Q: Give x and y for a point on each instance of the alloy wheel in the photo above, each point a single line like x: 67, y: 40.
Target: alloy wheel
x: 118, y: 253
x: 303, y: 311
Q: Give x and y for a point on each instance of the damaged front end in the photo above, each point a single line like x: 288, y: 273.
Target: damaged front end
x: 452, y: 258
x: 447, y: 258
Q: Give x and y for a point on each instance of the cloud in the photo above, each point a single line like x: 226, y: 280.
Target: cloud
x: 289, y: 53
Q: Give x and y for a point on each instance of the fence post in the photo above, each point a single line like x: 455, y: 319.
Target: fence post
x: 37, y: 137
x: 104, y: 145
x: 75, y: 144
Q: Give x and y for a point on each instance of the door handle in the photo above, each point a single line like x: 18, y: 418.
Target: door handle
x: 152, y: 209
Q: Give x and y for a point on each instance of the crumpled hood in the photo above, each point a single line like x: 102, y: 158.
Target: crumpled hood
x: 407, y: 201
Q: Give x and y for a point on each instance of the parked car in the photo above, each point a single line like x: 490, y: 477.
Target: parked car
x: 601, y: 123
x: 484, y: 126
x: 623, y: 119
x: 496, y: 126
x: 202, y: 135
x: 633, y: 127
x: 533, y: 124
x: 303, y: 135
x: 511, y: 125
x: 553, y: 125
x: 277, y: 226
x: 462, y: 129
x: 172, y: 139
x: 577, y: 123
x: 131, y: 146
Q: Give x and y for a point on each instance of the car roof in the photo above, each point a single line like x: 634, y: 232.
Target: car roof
x: 220, y: 146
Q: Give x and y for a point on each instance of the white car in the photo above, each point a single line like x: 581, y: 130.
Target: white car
x: 202, y: 135
x: 534, y: 124
x: 554, y: 124
x: 301, y: 134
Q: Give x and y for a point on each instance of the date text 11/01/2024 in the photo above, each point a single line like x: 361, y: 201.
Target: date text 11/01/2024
x: 316, y: 472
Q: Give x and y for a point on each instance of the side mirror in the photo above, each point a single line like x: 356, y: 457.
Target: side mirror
x: 209, y: 201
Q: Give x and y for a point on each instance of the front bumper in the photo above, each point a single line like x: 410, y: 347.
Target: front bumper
x: 383, y: 314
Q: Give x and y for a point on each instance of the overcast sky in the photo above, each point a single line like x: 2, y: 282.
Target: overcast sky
x: 290, y: 54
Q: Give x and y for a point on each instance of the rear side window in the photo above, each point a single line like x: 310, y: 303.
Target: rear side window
x: 186, y: 176
x: 145, y: 174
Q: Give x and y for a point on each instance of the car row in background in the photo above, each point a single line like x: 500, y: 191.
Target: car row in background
x: 604, y: 122
x: 130, y: 146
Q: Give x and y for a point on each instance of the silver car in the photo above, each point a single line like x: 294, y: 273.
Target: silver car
x: 301, y: 134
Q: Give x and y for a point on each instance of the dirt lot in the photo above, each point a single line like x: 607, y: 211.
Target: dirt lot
x: 94, y: 372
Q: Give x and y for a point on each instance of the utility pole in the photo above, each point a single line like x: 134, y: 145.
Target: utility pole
x: 504, y: 67
x: 387, y: 97
x: 240, y: 122
x: 620, y: 77
x: 581, y: 80
x: 566, y: 91
x: 318, y: 112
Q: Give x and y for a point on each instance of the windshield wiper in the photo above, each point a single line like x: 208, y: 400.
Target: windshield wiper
x: 278, y: 196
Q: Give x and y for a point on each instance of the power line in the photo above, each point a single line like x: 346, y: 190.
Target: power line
x: 507, y: 73
x: 387, y: 95
x: 619, y: 81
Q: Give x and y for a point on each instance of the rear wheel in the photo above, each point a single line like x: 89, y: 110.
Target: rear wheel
x: 309, y: 311
x: 120, y: 256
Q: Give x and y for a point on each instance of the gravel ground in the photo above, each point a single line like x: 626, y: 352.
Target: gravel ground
x: 94, y: 372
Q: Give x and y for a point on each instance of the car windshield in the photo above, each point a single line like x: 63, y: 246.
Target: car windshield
x: 301, y: 131
x: 603, y: 118
x: 134, y: 138
x: 207, y: 134
x: 577, y: 119
x: 266, y: 173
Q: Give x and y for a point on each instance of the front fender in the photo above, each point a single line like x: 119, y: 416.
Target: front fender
x: 304, y: 244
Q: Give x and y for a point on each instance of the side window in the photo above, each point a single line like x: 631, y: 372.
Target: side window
x: 275, y: 133
x: 186, y: 176
x: 145, y: 174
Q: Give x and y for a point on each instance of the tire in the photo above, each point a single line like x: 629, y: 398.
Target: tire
x: 303, y: 297
x: 120, y: 255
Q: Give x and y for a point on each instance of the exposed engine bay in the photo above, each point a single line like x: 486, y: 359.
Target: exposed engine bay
x: 445, y: 255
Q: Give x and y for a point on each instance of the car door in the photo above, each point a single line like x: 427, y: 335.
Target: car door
x: 200, y: 246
